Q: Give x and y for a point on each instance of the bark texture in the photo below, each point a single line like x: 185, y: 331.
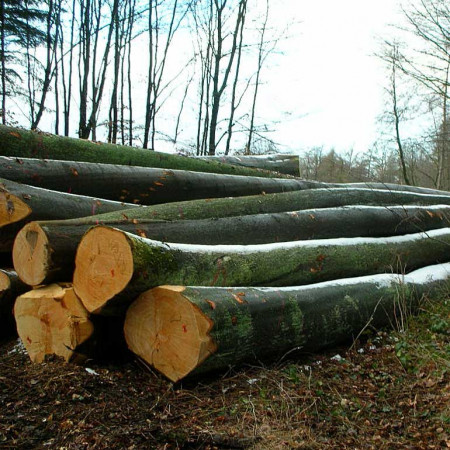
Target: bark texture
x: 31, y: 144
x: 139, y: 185
x: 270, y: 203
x: 182, y: 331
x: 113, y: 266
x: 45, y: 251
x: 287, y: 164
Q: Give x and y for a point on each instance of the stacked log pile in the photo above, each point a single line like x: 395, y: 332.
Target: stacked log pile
x: 199, y: 271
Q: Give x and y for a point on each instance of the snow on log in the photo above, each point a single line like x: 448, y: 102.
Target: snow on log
x: 112, y: 266
x: 140, y: 185
x: 182, y: 331
x: 32, y: 144
x: 10, y: 287
x: 44, y: 252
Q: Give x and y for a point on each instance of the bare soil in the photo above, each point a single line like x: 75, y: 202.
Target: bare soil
x: 390, y: 392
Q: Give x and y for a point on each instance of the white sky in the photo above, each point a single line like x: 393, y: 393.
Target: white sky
x: 327, y: 88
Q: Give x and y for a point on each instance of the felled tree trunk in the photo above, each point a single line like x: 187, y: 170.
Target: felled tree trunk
x: 31, y: 144
x: 10, y: 287
x: 19, y: 202
x: 288, y: 164
x: 396, y: 187
x: 113, y: 266
x: 140, y: 185
x: 270, y: 203
x: 45, y: 251
x: 52, y: 321
x: 190, y: 330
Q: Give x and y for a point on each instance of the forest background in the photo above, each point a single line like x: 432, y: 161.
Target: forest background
x: 192, y: 76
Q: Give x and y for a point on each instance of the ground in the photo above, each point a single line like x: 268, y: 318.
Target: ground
x: 389, y: 390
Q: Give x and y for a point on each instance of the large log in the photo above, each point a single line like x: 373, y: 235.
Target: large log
x: 51, y: 320
x: 31, y: 144
x: 394, y: 187
x: 112, y: 267
x: 282, y: 163
x: 10, y: 288
x: 270, y: 203
x: 44, y: 252
x: 142, y: 185
x: 189, y: 330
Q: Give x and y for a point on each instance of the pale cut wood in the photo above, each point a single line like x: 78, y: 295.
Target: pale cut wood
x: 12, y: 208
x: 52, y: 321
x: 164, y: 325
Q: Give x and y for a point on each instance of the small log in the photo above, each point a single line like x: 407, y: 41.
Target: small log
x: 51, y: 320
x: 10, y: 288
x: 112, y: 267
x: 21, y: 143
x: 281, y: 163
x: 183, y: 331
x: 45, y: 251
x: 140, y: 185
x: 264, y: 204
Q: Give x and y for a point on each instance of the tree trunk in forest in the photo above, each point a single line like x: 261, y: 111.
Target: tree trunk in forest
x: 287, y: 164
x: 262, y: 204
x: 10, y: 287
x: 143, y: 185
x: 112, y: 266
x: 190, y: 330
x: 393, y: 187
x: 29, y: 144
x: 51, y: 320
x: 45, y: 251
x: 19, y: 202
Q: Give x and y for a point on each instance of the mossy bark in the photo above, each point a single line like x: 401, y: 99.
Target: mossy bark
x: 249, y: 324
x: 288, y: 264
x: 32, y: 144
x: 63, y: 239
x: 264, y: 204
x: 139, y: 185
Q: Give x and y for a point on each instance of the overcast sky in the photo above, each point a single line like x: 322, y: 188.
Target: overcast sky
x: 327, y: 89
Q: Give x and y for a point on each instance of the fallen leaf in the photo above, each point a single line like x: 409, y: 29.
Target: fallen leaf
x: 15, y: 134
x: 74, y: 171
x: 211, y: 303
x: 238, y: 297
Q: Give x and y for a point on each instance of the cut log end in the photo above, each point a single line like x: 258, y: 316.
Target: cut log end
x: 52, y: 321
x: 5, y: 282
x: 103, y: 266
x: 168, y: 331
x: 31, y: 254
x: 12, y: 208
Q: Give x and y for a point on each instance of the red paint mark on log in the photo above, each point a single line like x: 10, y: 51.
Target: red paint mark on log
x: 238, y: 298
x: 112, y: 273
x: 211, y: 303
x: 184, y: 328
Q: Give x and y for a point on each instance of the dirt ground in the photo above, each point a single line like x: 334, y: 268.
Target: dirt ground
x: 390, y: 392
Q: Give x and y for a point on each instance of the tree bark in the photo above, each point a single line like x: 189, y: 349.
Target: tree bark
x: 287, y: 164
x: 19, y: 202
x: 140, y: 185
x: 112, y: 266
x: 45, y: 251
x: 10, y: 287
x: 184, y: 331
x: 394, y: 187
x: 51, y: 320
x: 29, y: 144
x: 270, y: 203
